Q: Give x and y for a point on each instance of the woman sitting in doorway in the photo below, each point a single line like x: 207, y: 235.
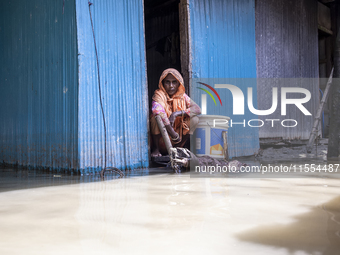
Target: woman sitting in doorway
x: 176, y: 109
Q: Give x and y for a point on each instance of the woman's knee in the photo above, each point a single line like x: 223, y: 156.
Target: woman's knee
x: 193, y: 124
x: 154, y: 126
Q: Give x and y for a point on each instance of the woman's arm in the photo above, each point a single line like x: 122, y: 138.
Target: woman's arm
x: 157, y: 109
x: 192, y: 108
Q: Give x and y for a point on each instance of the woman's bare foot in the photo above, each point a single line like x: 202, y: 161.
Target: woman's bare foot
x: 156, y: 153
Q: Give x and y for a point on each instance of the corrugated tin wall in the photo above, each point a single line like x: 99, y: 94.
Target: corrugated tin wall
x: 223, y: 46
x: 287, y: 47
x: 38, y: 76
x: 119, y: 31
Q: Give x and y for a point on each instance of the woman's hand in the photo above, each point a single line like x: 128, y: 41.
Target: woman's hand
x: 173, y: 134
x: 173, y: 117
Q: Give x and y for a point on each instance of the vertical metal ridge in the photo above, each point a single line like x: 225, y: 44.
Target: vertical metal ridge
x: 38, y: 84
x: 118, y: 28
x: 223, y: 46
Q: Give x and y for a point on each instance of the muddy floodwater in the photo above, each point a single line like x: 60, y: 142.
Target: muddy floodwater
x: 164, y: 213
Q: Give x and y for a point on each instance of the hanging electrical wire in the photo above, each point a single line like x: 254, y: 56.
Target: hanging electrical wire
x: 113, y: 169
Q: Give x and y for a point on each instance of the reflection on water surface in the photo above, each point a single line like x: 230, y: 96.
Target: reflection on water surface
x: 169, y: 214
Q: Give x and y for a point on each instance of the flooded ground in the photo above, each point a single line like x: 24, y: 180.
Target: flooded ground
x: 157, y: 212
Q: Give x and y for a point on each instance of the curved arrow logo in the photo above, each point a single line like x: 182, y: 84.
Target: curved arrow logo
x: 209, y: 93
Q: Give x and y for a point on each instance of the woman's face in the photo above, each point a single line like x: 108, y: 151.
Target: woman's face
x: 170, y: 84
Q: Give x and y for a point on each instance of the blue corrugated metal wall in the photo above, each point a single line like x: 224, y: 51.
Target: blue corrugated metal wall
x: 119, y: 31
x: 223, y: 46
x: 38, y: 76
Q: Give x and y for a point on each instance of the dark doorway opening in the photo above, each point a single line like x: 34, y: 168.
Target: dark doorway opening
x: 162, y: 37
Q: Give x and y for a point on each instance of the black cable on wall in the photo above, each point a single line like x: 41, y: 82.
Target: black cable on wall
x: 113, y: 169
